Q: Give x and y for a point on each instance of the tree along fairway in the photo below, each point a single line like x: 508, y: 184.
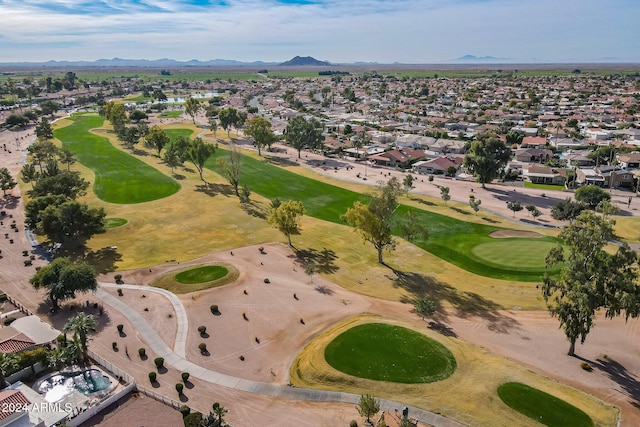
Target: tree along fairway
x: 383, y: 352
x: 119, y: 177
x: 450, y: 239
x: 542, y: 407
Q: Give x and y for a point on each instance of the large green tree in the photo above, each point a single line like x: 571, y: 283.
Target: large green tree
x: 374, y: 221
x: 6, y: 181
x: 63, y: 279
x: 44, y: 131
x: 567, y: 210
x: 228, y: 117
x: 259, y: 129
x: 68, y: 184
x: 67, y: 157
x: 591, y: 278
x: 591, y: 195
x: 302, y: 133
x: 192, y: 107
x: 71, y: 223
x: 8, y: 363
x: 157, y: 139
x: 198, y: 152
x: 487, y: 157
x: 286, y: 217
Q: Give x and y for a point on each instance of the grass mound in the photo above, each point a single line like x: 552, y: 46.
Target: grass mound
x: 114, y: 222
x: 384, y: 352
x: 197, y: 279
x: 542, y: 407
x: 203, y: 274
x: 120, y: 177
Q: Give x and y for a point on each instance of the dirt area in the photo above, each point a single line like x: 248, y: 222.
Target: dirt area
x: 505, y: 234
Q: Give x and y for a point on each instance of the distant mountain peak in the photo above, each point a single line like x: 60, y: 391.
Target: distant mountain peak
x: 302, y: 61
x: 469, y: 57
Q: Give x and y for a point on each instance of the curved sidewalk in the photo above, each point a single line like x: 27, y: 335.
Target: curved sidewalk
x: 180, y: 363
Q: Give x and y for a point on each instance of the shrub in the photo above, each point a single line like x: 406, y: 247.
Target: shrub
x: 159, y: 362
x: 353, y: 423
x: 184, y: 410
x: 244, y: 316
x: 241, y: 358
x: 258, y: 340
x: 430, y: 178
x: 119, y: 292
x: 586, y: 366
x: 261, y: 249
x: 179, y: 388
x: 120, y: 328
x: 203, y: 347
x: 202, y: 330
x: 27, y: 262
x: 114, y: 345
x: 214, y: 308
x: 152, y: 377
x: 25, y: 253
x: 185, y: 377
x: 142, y: 352
x: 118, y: 278
x: 267, y: 281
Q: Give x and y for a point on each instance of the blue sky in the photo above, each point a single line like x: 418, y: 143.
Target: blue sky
x: 385, y: 31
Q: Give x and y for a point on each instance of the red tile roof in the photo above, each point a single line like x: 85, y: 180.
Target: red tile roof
x: 16, y: 343
x: 11, y: 400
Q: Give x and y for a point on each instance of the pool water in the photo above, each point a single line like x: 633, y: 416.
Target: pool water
x: 61, y: 384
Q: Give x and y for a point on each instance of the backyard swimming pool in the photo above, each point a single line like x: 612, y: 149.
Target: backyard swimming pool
x: 61, y: 384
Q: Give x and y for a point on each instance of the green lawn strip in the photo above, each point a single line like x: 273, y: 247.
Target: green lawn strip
x: 391, y: 353
x: 120, y: 177
x: 449, y: 238
x: 513, y: 252
x: 544, y: 186
x: 207, y: 273
x: 542, y: 407
x: 114, y: 222
x: 174, y: 134
x: 174, y: 114
x: 171, y: 283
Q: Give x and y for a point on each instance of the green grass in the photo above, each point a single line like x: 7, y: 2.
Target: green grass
x: 138, y: 98
x: 174, y: 134
x: 119, y: 177
x: 513, y: 252
x: 204, y: 274
x: 449, y: 238
x: 114, y: 222
x: 197, y: 279
x: 542, y: 407
x: 174, y: 114
x: 383, y: 352
x: 544, y: 186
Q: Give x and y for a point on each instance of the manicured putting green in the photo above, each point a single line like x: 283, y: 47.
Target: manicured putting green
x: 383, y: 352
x: 514, y: 252
x: 120, y: 177
x: 542, y: 407
x: 204, y: 274
x: 114, y: 222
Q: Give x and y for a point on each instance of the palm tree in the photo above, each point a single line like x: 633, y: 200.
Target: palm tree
x: 81, y: 325
x: 8, y: 363
x: 219, y: 410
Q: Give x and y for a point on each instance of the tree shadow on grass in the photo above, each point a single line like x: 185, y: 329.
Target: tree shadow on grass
x: 104, y: 260
x: 465, y: 303
x: 323, y: 260
x: 279, y: 161
x: 255, y: 209
x: 424, y: 202
x: 628, y: 382
x: 460, y: 211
